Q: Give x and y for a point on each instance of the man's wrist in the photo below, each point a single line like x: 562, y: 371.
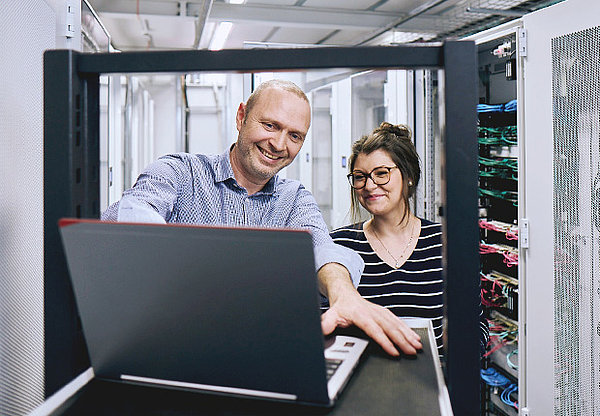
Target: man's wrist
x: 335, y: 282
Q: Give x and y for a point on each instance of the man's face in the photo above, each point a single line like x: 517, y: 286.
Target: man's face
x: 270, y: 135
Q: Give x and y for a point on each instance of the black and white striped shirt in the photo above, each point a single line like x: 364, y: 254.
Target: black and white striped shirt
x: 415, y: 290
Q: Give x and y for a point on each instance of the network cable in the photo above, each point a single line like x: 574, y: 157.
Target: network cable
x: 510, y: 254
x: 510, y: 231
x: 509, y: 362
x: 510, y: 106
x: 506, y: 396
x: 506, y: 163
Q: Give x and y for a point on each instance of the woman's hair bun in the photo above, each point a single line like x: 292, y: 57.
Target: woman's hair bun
x: 399, y: 130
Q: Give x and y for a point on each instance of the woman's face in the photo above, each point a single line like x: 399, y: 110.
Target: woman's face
x: 379, y: 199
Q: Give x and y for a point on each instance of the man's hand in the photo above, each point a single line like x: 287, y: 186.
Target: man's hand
x: 347, y: 308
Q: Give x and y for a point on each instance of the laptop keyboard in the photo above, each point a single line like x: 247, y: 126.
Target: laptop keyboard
x: 332, y: 364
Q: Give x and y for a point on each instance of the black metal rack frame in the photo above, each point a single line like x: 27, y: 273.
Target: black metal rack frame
x: 71, y: 177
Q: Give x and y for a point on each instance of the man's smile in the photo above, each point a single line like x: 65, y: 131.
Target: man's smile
x: 267, y: 154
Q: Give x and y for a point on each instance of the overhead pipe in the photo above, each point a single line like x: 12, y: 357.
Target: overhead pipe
x: 201, y: 19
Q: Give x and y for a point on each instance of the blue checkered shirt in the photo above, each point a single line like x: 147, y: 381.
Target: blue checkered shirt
x: 201, y: 189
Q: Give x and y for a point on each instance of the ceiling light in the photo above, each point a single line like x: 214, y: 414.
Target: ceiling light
x: 237, y: 1
x: 221, y: 33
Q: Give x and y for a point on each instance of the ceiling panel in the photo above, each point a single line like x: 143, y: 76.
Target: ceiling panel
x: 270, y: 2
x: 164, y: 24
x: 342, y: 4
x: 244, y: 32
x: 297, y: 35
x: 149, y: 31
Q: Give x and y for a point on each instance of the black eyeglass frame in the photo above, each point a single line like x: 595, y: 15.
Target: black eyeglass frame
x: 350, y: 176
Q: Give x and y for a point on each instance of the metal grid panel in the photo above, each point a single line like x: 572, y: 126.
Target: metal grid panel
x: 576, y: 124
x: 457, y: 21
x: 21, y: 268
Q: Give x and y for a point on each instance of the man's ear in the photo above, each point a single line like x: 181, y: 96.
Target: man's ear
x: 240, y: 115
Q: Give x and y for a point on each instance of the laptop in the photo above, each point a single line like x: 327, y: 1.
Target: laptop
x: 215, y: 309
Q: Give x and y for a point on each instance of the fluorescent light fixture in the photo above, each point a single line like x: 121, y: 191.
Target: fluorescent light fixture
x: 237, y: 1
x: 218, y: 40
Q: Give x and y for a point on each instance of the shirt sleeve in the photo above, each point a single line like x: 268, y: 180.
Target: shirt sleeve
x: 306, y: 214
x: 154, y: 195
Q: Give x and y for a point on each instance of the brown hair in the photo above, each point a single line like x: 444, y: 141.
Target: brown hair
x: 396, y: 141
x: 273, y: 83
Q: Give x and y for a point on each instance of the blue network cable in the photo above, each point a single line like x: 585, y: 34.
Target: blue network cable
x: 493, y: 378
x: 497, y: 108
x: 505, y: 396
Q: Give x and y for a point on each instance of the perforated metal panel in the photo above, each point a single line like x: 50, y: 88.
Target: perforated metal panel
x: 27, y: 28
x: 576, y: 123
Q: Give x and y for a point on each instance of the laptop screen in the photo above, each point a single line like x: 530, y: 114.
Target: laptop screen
x: 232, y: 307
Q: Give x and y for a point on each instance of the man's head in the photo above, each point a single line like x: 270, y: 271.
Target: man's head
x: 274, y: 83
x: 272, y: 126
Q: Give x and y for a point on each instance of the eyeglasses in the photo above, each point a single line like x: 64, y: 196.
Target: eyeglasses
x: 380, y: 176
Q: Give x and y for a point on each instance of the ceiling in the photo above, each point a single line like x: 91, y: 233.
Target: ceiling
x: 179, y: 24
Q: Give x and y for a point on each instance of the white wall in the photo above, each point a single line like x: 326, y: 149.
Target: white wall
x: 163, y: 92
x: 27, y: 28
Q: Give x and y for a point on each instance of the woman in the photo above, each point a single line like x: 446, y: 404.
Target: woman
x: 402, y: 253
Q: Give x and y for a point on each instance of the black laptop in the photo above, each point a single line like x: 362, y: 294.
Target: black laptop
x: 215, y: 309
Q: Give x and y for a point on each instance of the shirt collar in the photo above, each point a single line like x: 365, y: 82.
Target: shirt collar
x: 224, y: 171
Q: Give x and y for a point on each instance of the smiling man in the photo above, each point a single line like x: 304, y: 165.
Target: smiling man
x: 272, y: 127
x: 241, y: 188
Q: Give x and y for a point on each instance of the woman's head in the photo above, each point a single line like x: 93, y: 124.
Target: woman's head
x: 387, y: 146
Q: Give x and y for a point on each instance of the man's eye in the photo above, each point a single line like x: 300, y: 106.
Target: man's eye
x: 268, y: 125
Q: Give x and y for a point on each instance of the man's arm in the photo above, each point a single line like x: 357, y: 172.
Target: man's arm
x: 336, y: 264
x: 151, y: 199
x: 347, y: 308
x: 306, y: 214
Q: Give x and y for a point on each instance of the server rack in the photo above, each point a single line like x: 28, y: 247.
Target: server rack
x: 498, y: 221
x: 71, y: 177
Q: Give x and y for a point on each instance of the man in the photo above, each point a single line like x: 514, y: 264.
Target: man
x: 240, y: 187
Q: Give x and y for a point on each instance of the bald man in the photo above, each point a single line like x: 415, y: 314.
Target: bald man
x: 241, y: 188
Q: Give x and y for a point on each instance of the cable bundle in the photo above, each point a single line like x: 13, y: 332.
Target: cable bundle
x: 502, y: 332
x: 510, y: 106
x: 507, y: 392
x: 506, y: 168
x: 498, y: 136
x: 509, y: 196
x: 498, y: 173
x: 510, y: 231
x: 493, y: 378
x: 510, y: 254
x: 505, y: 163
x: 494, y: 291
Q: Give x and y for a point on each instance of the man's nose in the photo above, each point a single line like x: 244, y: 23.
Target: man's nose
x: 278, y: 140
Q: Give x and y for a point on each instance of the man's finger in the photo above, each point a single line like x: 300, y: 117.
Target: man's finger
x: 395, y: 331
x: 405, y: 335
x: 374, y: 329
x: 379, y: 336
x: 328, y: 322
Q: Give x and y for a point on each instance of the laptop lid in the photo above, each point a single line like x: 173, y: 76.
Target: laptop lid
x: 220, y: 307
